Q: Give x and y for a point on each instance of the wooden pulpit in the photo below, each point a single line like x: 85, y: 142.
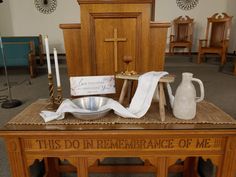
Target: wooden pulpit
x: 111, y: 30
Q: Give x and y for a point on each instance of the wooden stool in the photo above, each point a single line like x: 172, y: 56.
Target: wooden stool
x: 126, y: 89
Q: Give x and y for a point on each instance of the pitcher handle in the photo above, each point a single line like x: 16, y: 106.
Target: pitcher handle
x: 201, y: 89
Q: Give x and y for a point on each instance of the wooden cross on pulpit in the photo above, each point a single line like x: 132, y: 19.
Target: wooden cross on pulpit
x: 115, y: 40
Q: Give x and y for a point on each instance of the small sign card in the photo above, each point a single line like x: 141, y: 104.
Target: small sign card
x: 92, y: 85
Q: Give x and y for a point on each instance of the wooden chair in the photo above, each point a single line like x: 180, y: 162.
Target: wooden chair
x: 217, y: 37
x: 182, y: 34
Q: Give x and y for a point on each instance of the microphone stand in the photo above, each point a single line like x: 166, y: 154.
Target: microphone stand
x: 9, y: 103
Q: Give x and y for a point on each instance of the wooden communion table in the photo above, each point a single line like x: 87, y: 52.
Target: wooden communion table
x: 212, y: 135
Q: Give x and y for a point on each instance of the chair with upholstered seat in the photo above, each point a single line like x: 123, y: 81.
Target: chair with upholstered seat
x: 217, y: 37
x: 182, y: 34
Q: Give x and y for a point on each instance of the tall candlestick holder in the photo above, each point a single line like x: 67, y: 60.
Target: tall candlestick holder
x: 52, y: 104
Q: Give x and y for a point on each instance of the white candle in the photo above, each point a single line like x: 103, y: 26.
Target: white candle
x: 57, y: 68
x: 48, y: 55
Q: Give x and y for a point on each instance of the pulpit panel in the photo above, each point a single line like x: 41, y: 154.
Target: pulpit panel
x: 72, y: 40
x: 126, y: 17
x: 157, y: 46
x: 113, y: 42
x: 110, y: 30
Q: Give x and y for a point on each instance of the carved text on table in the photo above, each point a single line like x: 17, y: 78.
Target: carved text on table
x: 112, y: 144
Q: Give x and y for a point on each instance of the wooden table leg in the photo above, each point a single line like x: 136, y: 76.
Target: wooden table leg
x: 190, y: 167
x: 82, y: 167
x: 51, y: 167
x: 161, y: 165
x: 162, y: 168
x: 17, y: 161
x: 229, y: 165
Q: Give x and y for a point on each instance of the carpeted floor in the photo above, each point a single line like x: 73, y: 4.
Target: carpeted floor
x: 219, y: 89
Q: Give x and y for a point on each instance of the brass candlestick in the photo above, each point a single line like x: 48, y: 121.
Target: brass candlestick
x: 51, y: 93
x: 59, y: 96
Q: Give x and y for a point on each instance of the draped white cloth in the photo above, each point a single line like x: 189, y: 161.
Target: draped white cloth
x: 140, y: 103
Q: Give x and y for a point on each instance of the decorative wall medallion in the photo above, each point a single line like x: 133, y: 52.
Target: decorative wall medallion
x: 45, y: 6
x: 186, y: 4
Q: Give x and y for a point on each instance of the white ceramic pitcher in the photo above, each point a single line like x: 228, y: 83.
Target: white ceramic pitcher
x: 185, y: 100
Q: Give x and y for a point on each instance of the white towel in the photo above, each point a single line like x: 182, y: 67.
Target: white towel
x: 140, y: 103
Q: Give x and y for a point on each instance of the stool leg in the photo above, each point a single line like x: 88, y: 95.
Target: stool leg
x: 161, y: 102
x: 123, y: 91
x: 130, y: 88
x: 167, y: 98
